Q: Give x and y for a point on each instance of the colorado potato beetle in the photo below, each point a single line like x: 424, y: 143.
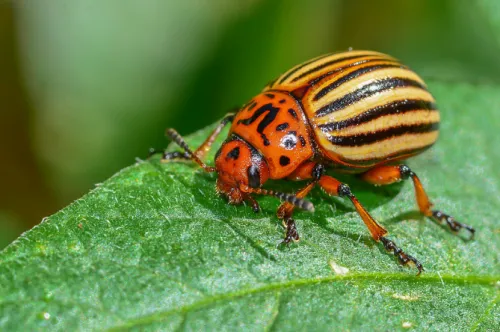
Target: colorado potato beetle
x: 357, y: 112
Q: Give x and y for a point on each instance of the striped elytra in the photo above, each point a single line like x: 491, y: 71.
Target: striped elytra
x: 356, y: 112
x: 364, y: 107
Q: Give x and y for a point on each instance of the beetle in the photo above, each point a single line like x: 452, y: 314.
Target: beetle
x: 359, y: 112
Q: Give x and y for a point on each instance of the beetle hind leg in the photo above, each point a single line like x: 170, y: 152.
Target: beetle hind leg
x: 454, y: 225
x: 383, y: 175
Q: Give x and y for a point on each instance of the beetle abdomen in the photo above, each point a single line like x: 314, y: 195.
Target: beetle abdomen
x: 365, y: 107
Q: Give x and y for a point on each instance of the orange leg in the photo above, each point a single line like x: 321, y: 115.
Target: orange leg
x: 306, y: 171
x: 207, y: 144
x: 200, y: 152
x: 389, y: 174
x: 334, y: 187
x: 285, y: 212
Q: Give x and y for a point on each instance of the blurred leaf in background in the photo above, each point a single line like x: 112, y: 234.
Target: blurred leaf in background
x: 90, y: 85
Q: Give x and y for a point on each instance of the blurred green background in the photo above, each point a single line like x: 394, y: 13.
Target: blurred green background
x: 88, y: 86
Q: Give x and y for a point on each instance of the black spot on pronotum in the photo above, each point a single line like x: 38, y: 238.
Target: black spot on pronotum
x: 270, y: 95
x: 266, y: 121
x: 284, y: 160
x: 253, y: 176
x: 234, y: 153
x: 302, y: 140
x: 265, y: 140
x: 282, y: 101
x: 282, y: 126
x: 293, y: 113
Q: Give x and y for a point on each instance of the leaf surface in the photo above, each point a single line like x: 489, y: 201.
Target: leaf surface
x: 154, y: 247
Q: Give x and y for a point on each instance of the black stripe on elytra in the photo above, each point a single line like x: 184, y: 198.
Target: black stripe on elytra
x: 367, y: 91
x: 351, y: 64
x: 352, y: 75
x: 395, y: 107
x: 270, y: 84
x: 282, y: 126
x: 327, y: 64
x: 266, y: 121
x: 362, y: 139
x: 269, y: 95
x: 299, y: 67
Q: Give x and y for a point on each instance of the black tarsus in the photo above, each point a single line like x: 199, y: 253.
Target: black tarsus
x: 403, y: 258
x: 291, y: 231
x: 253, y: 202
x: 454, y: 225
x: 437, y: 215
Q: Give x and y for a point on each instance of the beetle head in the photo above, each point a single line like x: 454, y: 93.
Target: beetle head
x: 239, y: 166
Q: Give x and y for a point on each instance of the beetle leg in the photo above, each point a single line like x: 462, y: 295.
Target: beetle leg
x: 253, y: 202
x: 285, y: 212
x: 308, y: 170
x: 291, y: 231
x: 335, y: 188
x: 389, y: 174
x: 403, y: 258
x: 175, y: 155
x: 200, y: 153
x: 168, y: 155
x: 207, y: 144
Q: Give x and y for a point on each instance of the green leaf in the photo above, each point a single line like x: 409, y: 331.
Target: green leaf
x: 154, y: 247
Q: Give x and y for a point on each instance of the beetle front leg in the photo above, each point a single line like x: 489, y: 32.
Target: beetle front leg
x: 291, y: 231
x: 308, y: 170
x: 201, y: 151
x: 285, y: 212
x: 383, y: 175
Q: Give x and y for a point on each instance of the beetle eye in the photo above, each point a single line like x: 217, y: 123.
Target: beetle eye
x: 253, y: 176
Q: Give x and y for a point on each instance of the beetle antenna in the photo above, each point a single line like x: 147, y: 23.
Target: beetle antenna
x: 290, y: 198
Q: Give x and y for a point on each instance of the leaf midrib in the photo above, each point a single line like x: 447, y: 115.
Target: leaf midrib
x: 483, y: 280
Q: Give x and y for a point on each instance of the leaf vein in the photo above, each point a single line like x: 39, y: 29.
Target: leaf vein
x: 297, y: 283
